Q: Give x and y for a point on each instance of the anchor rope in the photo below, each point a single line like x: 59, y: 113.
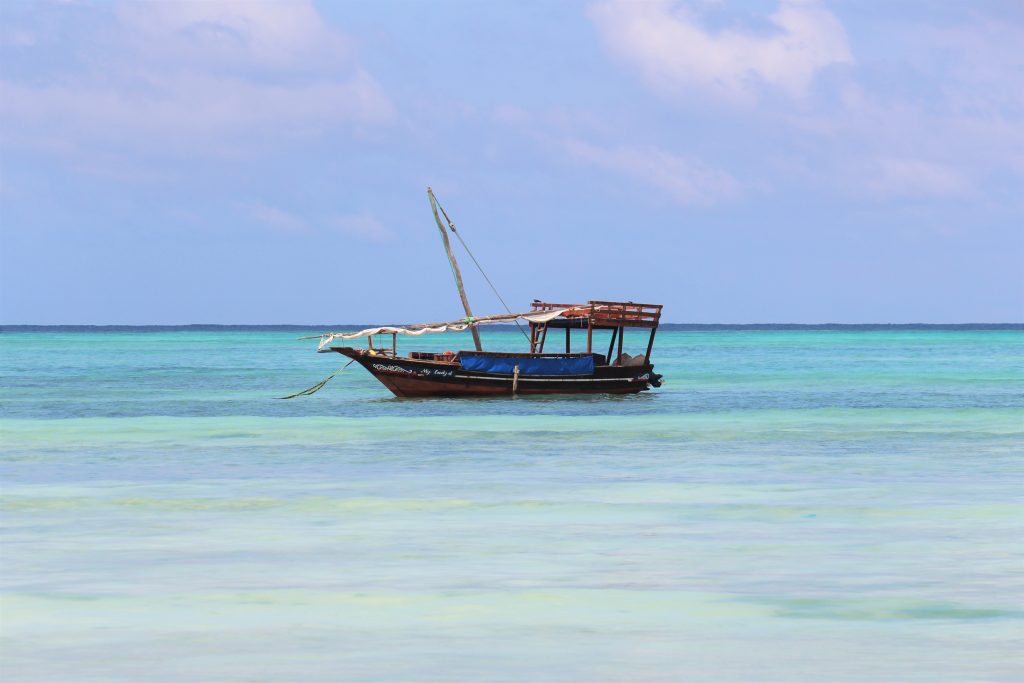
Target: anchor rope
x: 465, y: 246
x: 319, y: 385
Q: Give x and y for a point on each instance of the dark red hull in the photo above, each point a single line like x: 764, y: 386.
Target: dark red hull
x: 407, y: 378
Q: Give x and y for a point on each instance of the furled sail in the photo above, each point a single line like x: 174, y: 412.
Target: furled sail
x: 452, y: 326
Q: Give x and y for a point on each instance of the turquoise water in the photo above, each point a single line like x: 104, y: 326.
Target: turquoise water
x: 791, y: 506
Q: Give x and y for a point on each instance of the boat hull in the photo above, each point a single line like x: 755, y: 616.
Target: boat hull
x: 411, y: 378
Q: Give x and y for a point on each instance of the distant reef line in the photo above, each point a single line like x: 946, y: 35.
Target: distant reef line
x: 680, y: 327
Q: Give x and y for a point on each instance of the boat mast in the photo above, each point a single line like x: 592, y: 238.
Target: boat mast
x: 455, y: 270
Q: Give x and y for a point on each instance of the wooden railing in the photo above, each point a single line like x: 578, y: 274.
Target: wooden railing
x: 546, y: 306
x: 610, y: 313
x: 627, y: 314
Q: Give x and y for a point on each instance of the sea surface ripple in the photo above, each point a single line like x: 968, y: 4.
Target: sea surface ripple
x: 793, y: 505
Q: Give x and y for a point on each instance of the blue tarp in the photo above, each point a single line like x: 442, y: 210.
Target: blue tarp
x: 528, y: 365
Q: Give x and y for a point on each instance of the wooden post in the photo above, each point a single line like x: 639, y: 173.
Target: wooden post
x: 611, y: 346
x: 622, y: 333
x: 567, y: 343
x: 394, y: 344
x: 543, y: 338
x: 455, y: 270
x: 650, y: 345
x: 590, y: 330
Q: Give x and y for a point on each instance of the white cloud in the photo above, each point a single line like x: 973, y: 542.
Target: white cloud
x: 363, y: 225
x: 674, y: 52
x: 196, y: 78
x: 510, y: 114
x: 229, y: 34
x: 952, y: 129
x: 892, y: 177
x: 986, y: 72
x: 205, y: 114
x: 277, y: 219
x: 933, y: 108
x: 16, y: 37
x: 686, y: 180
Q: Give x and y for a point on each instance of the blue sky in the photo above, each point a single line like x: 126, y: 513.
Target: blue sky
x: 761, y: 161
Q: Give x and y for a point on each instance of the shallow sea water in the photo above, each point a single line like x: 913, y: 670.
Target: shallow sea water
x: 791, y: 506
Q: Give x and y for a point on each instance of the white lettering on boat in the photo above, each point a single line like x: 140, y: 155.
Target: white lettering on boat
x: 393, y: 368
x: 422, y: 372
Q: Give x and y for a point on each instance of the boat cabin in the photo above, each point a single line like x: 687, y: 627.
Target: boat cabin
x: 595, y: 316
x: 615, y: 316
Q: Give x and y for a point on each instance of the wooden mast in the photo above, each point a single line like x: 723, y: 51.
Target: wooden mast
x: 455, y: 270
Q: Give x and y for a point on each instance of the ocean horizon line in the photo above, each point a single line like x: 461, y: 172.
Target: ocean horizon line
x: 501, y: 327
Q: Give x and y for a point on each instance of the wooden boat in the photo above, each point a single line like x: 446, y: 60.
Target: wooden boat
x: 490, y: 373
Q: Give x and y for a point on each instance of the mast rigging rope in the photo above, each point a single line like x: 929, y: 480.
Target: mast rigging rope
x: 465, y: 246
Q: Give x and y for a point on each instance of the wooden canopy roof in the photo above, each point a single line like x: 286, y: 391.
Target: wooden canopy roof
x: 602, y: 314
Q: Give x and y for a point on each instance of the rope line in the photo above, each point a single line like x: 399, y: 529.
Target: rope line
x: 318, y: 386
x: 478, y: 267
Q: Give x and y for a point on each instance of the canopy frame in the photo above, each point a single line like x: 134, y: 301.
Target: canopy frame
x: 532, y: 317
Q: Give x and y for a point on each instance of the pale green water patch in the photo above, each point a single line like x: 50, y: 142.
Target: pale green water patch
x: 791, y: 506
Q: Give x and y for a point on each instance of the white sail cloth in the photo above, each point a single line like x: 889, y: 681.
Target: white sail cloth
x: 454, y: 326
